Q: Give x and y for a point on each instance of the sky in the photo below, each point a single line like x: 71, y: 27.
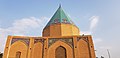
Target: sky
x: 99, y: 18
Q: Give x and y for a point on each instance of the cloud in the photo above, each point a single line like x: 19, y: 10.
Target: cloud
x: 24, y: 26
x: 93, y: 22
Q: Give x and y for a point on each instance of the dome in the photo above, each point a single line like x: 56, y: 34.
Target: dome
x: 60, y: 25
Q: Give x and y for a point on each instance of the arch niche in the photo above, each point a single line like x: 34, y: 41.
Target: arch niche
x: 18, y: 50
x: 83, y: 49
x: 60, y: 52
x: 62, y: 47
x: 37, y: 50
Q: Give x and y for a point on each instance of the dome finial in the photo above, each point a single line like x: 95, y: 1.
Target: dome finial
x: 60, y: 5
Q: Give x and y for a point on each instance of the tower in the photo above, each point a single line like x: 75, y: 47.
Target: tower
x: 60, y: 39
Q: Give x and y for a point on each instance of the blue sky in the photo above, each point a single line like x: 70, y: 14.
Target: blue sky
x: 100, y: 18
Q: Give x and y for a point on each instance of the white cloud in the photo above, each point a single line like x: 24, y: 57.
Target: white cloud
x: 22, y: 27
x: 94, y: 21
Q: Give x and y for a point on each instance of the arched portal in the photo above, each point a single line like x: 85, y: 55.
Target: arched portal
x: 18, y: 50
x: 60, y: 52
x: 60, y: 46
x: 18, y: 54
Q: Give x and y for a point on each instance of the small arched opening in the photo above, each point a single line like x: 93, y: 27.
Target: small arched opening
x: 18, y: 54
x: 60, y: 52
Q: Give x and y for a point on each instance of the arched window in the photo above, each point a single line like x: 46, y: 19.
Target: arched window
x: 18, y: 54
x: 60, y: 52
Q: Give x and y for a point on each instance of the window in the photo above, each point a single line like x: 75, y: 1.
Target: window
x: 60, y: 52
x: 18, y: 54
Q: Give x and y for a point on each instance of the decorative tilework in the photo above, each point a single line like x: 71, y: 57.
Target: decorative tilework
x: 84, y: 38
x: 60, y: 17
x: 56, y: 21
x: 26, y: 40
x: 64, y: 20
x: 66, y: 40
x: 39, y: 40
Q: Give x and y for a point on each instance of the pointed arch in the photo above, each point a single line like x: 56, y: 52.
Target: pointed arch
x: 18, y: 46
x: 18, y: 54
x: 60, y: 52
x: 82, y: 49
x: 37, y: 50
x: 53, y: 47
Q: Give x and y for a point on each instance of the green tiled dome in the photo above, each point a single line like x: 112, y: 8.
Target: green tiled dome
x: 60, y: 17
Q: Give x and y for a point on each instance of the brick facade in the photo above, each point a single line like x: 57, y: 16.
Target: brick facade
x: 60, y: 39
